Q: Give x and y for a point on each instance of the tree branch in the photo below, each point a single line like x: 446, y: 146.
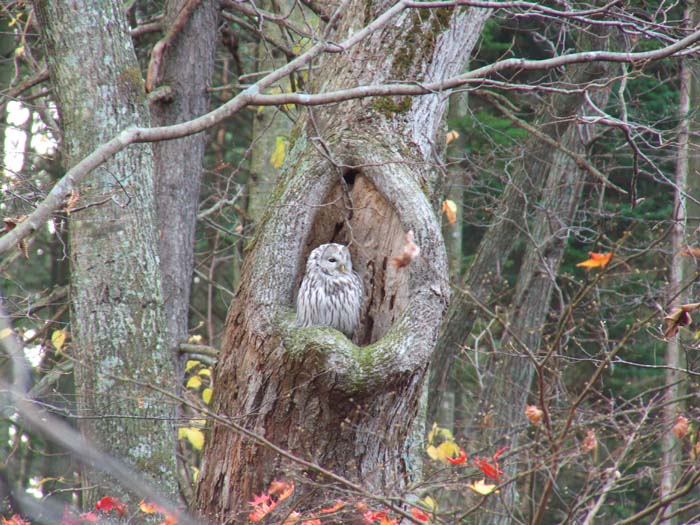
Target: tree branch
x: 253, y: 96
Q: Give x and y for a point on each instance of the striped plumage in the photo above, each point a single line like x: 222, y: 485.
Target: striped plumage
x: 331, y: 292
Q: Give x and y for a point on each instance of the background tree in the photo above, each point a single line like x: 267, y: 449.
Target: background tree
x: 115, y: 280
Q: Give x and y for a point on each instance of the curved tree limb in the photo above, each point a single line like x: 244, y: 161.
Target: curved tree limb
x: 253, y: 96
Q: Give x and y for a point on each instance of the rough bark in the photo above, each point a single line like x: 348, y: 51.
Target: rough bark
x: 358, y: 173
x: 117, y: 315
x: 188, y: 65
x: 187, y: 69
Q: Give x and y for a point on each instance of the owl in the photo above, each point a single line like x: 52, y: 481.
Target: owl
x: 331, y: 292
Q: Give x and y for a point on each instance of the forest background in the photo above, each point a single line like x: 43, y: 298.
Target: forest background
x: 543, y: 155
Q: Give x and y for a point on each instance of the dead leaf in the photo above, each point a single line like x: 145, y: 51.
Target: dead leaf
x: 693, y: 251
x: 679, y: 316
x: 680, y: 429
x: 590, y: 442
x: 72, y: 201
x: 534, y: 414
x: 10, y: 224
x: 451, y: 135
x: 410, y: 252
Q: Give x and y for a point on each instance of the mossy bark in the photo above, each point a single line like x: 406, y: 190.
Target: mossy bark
x: 117, y: 306
x: 359, y: 176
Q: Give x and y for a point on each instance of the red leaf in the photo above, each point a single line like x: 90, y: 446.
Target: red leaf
x: 459, y: 459
x: 109, y: 503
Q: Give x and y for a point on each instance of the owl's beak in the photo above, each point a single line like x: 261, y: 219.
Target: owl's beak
x: 342, y: 268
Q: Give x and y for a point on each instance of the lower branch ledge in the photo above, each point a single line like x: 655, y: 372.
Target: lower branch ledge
x: 353, y: 369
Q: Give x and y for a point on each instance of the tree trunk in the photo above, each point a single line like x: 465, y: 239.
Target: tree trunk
x: 508, y: 374
x: 118, y: 315
x: 187, y: 69
x: 357, y: 174
x: 188, y: 65
x: 483, y: 279
x: 671, y: 447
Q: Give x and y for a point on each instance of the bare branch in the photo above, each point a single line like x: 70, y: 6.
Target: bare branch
x: 253, y: 96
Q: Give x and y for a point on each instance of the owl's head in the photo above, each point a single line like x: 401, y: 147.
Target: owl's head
x: 331, y: 259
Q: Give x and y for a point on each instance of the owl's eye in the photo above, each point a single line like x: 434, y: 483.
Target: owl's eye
x: 332, y: 260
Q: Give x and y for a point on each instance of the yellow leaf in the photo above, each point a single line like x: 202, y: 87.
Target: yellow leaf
x: 451, y: 135
x: 206, y: 395
x: 447, y: 449
x: 204, y: 372
x: 430, y: 503
x: 195, y: 339
x: 5, y: 332
x: 57, y: 339
x: 481, y: 487
x: 19, y: 51
x: 193, y: 435
x: 277, y: 157
x: 15, y: 20
x: 437, y: 431
x: 195, y: 474
x: 194, y: 382
x: 192, y: 363
x: 450, y: 209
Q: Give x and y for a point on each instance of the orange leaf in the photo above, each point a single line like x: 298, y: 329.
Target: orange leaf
x: 420, y: 514
x: 691, y: 250
x: 679, y: 316
x: 534, y: 414
x: 451, y: 135
x: 15, y: 520
x: 597, y: 260
x: 459, y: 459
x: 148, y: 507
x: 680, y: 429
x: 339, y: 505
x: 449, y: 208
x: 72, y: 201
